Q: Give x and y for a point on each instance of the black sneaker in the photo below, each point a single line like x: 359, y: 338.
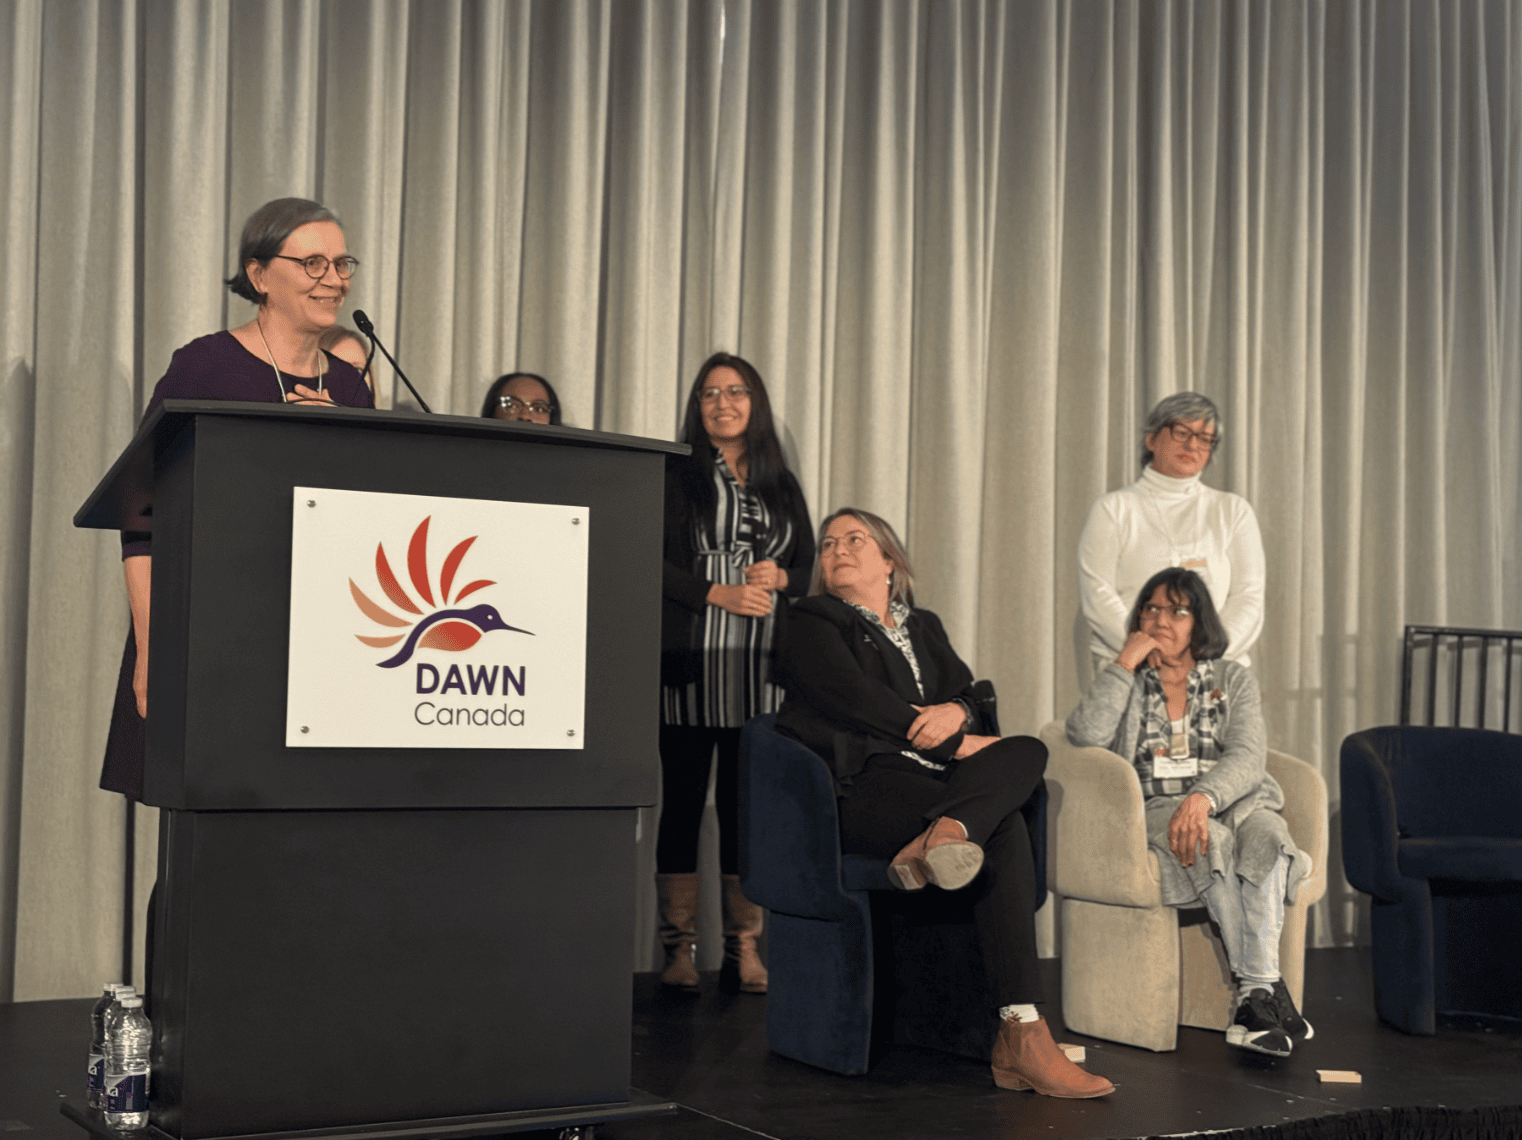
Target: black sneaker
x: 1292, y: 1020
x: 1256, y: 1026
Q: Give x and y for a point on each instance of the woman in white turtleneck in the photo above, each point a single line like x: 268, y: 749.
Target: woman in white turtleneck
x: 1169, y: 518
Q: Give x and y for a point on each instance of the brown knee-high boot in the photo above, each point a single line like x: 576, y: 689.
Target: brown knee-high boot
x: 677, y: 898
x: 742, y: 969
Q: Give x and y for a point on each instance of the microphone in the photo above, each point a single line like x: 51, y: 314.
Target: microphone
x: 369, y: 330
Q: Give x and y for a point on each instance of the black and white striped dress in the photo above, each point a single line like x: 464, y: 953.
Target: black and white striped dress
x: 734, y: 683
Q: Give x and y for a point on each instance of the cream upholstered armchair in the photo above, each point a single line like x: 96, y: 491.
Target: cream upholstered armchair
x: 1134, y: 970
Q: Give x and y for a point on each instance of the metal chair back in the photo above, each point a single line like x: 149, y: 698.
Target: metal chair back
x: 1462, y: 678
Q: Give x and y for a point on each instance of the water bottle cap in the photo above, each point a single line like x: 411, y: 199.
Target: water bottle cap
x: 119, y: 988
x: 132, y: 1003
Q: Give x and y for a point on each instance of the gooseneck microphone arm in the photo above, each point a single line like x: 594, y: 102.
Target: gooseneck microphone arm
x: 369, y: 330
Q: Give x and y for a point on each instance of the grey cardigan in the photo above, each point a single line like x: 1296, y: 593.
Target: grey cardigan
x: 1109, y: 716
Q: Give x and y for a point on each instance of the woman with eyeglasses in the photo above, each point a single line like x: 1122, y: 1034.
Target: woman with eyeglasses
x: 294, y: 265
x: 523, y: 396
x: 1191, y: 723
x: 875, y: 687
x: 1169, y: 517
x: 738, y: 544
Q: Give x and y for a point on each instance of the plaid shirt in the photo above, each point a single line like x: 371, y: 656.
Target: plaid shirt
x: 1204, y: 714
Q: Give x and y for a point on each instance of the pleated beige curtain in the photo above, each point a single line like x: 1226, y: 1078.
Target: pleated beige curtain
x: 967, y: 244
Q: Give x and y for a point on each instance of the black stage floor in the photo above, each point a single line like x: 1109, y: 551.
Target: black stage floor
x: 709, y: 1055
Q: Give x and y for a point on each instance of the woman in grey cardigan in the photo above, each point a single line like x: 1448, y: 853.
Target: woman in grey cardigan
x: 1192, y: 725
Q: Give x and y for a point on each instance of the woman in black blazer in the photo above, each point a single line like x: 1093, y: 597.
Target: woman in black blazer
x: 874, y: 686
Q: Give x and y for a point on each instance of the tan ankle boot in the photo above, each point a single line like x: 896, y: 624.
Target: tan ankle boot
x: 677, y: 898
x: 1026, y: 1057
x: 941, y: 854
x: 742, y: 970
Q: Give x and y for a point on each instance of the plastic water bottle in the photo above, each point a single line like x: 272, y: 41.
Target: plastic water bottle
x: 127, y: 1067
x: 109, y: 1021
x: 95, y: 1075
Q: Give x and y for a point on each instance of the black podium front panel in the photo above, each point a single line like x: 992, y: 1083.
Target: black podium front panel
x: 360, y: 967
x: 224, y: 504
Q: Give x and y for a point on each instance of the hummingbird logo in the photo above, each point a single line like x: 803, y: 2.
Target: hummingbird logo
x: 449, y: 629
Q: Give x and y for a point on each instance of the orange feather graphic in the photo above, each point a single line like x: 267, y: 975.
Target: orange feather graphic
x: 373, y: 611
x: 417, y: 561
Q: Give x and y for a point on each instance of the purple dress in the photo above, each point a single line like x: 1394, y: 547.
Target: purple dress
x: 214, y: 367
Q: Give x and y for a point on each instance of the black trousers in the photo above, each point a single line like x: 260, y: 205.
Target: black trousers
x: 686, y: 756
x: 895, y: 798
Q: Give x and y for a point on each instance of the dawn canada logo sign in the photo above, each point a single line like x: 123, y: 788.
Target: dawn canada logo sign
x: 442, y: 625
x: 415, y: 605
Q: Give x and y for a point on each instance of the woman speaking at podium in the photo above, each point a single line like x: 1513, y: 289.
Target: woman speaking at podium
x: 293, y: 264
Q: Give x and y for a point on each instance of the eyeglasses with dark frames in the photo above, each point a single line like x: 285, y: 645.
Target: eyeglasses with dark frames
x: 1187, y: 436
x: 317, y: 265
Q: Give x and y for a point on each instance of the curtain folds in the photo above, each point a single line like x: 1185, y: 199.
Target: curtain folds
x: 967, y: 244
x: 20, y: 131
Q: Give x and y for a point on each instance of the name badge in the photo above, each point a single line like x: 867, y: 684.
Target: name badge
x: 1165, y: 767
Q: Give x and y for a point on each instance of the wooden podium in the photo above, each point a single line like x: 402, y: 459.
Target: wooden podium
x: 382, y: 941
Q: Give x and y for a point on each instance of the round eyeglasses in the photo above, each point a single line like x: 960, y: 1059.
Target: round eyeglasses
x: 1150, y: 612
x: 317, y: 265
x: 852, y: 540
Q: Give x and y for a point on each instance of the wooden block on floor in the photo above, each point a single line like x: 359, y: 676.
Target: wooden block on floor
x: 1075, y: 1053
x: 1340, y: 1076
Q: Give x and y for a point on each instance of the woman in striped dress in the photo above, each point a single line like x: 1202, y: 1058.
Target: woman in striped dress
x: 738, y: 544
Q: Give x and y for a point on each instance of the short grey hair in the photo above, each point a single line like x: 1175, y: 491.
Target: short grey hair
x: 1179, y: 408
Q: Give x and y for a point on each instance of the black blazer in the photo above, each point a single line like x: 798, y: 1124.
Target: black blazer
x: 850, y: 691
x: 684, y: 595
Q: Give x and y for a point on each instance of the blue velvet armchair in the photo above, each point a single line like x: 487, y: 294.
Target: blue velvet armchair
x: 1432, y: 829
x: 854, y: 964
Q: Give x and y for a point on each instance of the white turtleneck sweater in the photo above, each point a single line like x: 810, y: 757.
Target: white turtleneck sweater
x: 1160, y: 521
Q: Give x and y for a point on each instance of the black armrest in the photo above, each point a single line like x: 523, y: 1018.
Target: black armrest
x: 1369, y: 828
